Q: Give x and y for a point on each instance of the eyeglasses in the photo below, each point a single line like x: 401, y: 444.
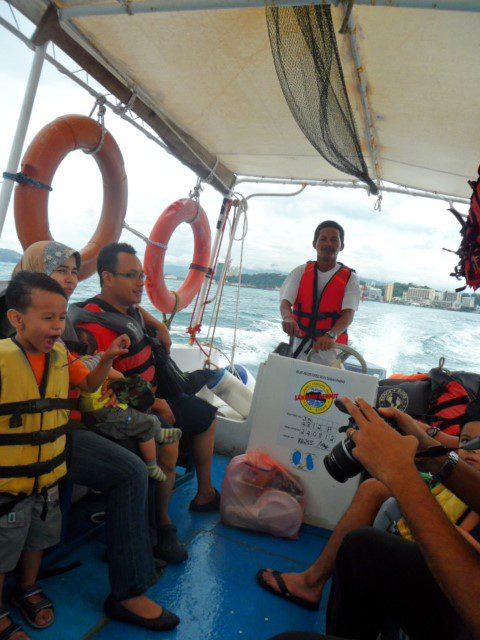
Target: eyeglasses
x: 130, y: 276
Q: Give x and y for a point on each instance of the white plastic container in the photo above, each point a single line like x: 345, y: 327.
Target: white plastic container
x: 234, y: 393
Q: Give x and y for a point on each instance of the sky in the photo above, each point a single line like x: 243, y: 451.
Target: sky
x: 404, y: 242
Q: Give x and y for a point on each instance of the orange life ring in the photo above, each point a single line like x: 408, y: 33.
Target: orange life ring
x: 185, y: 210
x: 41, y: 160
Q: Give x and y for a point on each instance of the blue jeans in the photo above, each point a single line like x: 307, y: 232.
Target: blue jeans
x: 105, y: 466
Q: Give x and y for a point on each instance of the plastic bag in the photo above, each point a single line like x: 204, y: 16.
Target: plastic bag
x: 259, y: 494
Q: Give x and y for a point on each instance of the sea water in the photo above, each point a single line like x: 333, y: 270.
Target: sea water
x: 402, y: 339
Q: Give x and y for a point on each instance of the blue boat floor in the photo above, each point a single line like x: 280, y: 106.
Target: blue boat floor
x: 214, y: 593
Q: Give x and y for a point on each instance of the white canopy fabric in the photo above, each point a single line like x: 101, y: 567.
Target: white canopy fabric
x: 212, y: 73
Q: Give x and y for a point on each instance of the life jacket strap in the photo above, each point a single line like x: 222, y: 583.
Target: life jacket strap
x: 40, y: 405
x: 35, y: 439
x: 33, y: 470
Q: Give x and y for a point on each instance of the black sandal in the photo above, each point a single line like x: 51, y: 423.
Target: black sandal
x: 12, y: 628
x: 115, y: 610
x: 30, y: 610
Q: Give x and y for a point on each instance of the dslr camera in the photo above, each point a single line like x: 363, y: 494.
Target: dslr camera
x: 340, y: 463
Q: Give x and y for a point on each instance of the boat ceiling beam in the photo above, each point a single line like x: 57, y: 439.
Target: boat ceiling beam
x: 128, y: 7
x: 180, y: 144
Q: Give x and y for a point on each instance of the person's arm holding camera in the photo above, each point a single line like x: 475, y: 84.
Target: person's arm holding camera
x: 390, y: 457
x: 463, y: 480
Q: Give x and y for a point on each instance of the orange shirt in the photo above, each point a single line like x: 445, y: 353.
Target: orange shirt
x: 76, y: 369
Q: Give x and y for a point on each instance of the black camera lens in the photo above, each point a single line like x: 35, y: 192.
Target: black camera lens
x: 340, y: 463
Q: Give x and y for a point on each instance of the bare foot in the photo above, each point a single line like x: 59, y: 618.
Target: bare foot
x: 44, y: 617
x: 143, y: 607
x: 297, y: 585
x: 20, y: 635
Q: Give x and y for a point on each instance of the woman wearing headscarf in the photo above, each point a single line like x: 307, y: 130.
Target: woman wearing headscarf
x: 103, y: 465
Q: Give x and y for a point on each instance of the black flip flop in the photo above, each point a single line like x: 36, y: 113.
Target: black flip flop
x: 115, y: 610
x: 284, y: 592
x: 213, y: 505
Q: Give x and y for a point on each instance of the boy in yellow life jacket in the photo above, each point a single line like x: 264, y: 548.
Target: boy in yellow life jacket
x: 36, y: 371
x: 456, y: 511
x: 123, y: 421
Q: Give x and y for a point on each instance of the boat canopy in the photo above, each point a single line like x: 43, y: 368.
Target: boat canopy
x: 205, y: 80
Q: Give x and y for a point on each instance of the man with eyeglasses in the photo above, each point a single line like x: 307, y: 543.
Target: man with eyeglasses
x: 122, y: 281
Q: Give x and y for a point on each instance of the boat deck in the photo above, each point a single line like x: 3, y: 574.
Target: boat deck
x: 214, y: 593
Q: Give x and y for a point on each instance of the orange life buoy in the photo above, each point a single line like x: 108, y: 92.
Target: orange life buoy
x: 185, y: 210
x: 41, y: 160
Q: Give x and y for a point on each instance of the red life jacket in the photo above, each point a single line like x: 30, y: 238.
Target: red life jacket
x: 441, y: 398
x: 139, y: 359
x: 469, y: 250
x: 315, y: 317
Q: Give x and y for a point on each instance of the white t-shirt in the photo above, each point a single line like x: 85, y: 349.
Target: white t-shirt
x: 351, y: 300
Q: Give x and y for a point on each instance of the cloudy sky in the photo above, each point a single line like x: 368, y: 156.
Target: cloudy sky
x: 403, y: 242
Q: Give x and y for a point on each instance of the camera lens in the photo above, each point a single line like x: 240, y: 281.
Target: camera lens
x: 340, y: 463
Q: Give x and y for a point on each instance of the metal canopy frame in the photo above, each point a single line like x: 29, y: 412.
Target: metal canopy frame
x: 131, y: 8
x: 50, y: 30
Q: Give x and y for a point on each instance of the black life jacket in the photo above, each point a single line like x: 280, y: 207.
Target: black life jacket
x: 441, y: 398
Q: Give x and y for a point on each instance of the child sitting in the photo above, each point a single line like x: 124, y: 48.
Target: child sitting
x: 125, y: 421
x: 35, y: 373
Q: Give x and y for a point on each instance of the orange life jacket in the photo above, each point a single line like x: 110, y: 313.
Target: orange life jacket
x: 316, y: 316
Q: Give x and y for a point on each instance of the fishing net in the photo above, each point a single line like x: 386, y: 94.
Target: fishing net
x: 308, y: 67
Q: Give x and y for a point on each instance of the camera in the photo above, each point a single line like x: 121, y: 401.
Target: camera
x: 340, y: 463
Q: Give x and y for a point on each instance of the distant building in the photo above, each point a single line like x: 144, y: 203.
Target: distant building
x: 421, y: 295
x: 388, y: 292
x: 467, y: 302
x: 452, y: 296
x: 373, y: 294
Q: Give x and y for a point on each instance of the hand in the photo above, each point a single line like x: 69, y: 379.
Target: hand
x: 113, y: 374
x: 323, y: 343
x: 387, y: 455
x: 163, y: 335
x: 410, y: 427
x: 163, y: 409
x: 108, y: 395
x: 119, y: 347
x: 290, y: 326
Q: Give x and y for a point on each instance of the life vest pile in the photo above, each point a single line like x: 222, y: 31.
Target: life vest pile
x: 440, y: 398
x: 469, y: 250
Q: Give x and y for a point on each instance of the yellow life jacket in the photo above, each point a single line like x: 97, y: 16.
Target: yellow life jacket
x: 32, y: 420
x: 90, y: 402
x: 452, y: 506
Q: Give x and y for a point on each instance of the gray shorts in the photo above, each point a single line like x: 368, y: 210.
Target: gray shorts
x: 24, y: 530
x: 121, y: 424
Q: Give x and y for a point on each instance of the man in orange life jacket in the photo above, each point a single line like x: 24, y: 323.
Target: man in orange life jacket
x: 319, y: 299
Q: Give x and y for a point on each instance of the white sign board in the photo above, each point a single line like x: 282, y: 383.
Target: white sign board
x: 297, y: 423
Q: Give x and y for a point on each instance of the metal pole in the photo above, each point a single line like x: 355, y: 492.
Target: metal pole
x: 21, y: 132
x: 81, y: 10
x: 213, y: 255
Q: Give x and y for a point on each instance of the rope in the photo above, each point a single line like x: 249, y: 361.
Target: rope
x: 168, y: 321
x: 345, y: 28
x: 22, y: 179
x: 211, y: 175
x: 140, y: 235
x: 194, y: 329
x: 100, y: 103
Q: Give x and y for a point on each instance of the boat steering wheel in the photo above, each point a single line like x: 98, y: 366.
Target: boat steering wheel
x: 346, y: 352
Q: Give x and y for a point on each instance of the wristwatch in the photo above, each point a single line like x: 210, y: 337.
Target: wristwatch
x: 432, y: 431
x: 447, y: 467
x: 332, y: 334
